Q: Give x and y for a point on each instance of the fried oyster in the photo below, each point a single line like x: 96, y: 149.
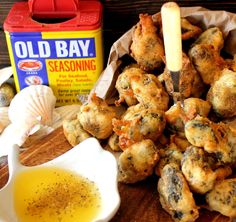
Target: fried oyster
x: 216, y: 138
x: 137, y: 162
x: 223, y: 197
x: 113, y: 142
x: 139, y: 123
x: 135, y: 86
x: 189, y: 30
x: 123, y: 85
x: 147, y: 47
x: 74, y: 131
x: 150, y: 92
x: 212, y: 36
x: 175, y: 196
x: 96, y: 117
x: 170, y: 154
x: 176, y: 116
x: 222, y: 94
x: 201, y: 171
x: 207, y: 61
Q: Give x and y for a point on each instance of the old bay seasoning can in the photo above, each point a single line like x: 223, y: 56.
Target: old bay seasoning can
x: 56, y: 43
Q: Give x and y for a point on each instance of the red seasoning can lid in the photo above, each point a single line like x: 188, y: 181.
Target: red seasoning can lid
x: 53, y: 8
x: 35, y: 16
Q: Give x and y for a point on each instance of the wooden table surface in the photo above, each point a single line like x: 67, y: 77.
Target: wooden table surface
x: 139, y: 202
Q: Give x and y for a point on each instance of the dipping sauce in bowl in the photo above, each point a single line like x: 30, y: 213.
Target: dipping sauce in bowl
x: 52, y: 194
x: 79, y: 186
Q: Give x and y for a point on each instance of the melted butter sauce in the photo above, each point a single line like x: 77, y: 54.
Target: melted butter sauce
x: 52, y: 195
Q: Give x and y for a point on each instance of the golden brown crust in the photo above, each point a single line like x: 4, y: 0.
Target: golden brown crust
x: 139, y: 123
x: 74, y: 132
x: 137, y: 162
x: 150, y: 92
x: 197, y: 170
x: 175, y: 196
x: 215, y: 138
x: 176, y: 116
x: 189, y: 30
x: 147, y: 47
x: 170, y: 154
x: 207, y: 61
x: 212, y: 36
x: 222, y: 94
x: 123, y: 85
x: 96, y: 117
x: 134, y: 86
x: 223, y: 197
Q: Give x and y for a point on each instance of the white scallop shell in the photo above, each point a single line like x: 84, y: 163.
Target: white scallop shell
x: 33, y: 105
x: 4, y: 119
x: 64, y: 112
x: 5, y: 74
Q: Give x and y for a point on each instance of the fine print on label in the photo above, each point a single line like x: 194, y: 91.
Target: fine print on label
x: 69, y: 66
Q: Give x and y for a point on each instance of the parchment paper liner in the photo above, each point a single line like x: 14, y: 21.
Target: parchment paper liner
x: 202, y: 17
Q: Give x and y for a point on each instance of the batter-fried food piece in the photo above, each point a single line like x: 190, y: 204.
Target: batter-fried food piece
x: 175, y: 196
x: 135, y: 86
x: 96, y: 117
x: 146, y: 47
x: 171, y: 154
x: 74, y: 132
x: 223, y: 197
x: 139, y: 123
x: 150, y: 92
x: 231, y: 63
x: 176, y: 116
x: 199, y: 87
x: 231, y: 122
x: 215, y: 138
x: 187, y: 78
x: 181, y: 142
x: 197, y: 171
x: 113, y: 142
x: 175, y: 119
x: 222, y: 94
x: 123, y: 85
x: 137, y: 162
x: 195, y: 106
x: 207, y: 61
x: 189, y: 30
x: 223, y: 172
x: 212, y: 36
x: 201, y: 170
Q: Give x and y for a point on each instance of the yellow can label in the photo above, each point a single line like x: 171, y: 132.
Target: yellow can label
x: 69, y: 62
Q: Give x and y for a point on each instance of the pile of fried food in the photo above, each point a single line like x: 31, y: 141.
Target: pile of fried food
x: 192, y: 149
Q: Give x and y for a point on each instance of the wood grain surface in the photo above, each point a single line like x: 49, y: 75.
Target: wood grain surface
x: 139, y: 202
x: 118, y: 17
